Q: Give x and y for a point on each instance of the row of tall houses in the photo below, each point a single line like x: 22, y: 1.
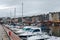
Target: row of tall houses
x: 38, y: 18
x: 51, y: 16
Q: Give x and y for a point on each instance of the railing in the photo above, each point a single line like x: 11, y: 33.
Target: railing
x: 12, y: 35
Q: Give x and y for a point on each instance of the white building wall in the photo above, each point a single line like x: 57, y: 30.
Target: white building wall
x: 50, y: 17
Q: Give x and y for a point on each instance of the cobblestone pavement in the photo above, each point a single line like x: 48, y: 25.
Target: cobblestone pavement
x: 3, y: 35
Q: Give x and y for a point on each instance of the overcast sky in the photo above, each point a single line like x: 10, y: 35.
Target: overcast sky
x: 31, y: 7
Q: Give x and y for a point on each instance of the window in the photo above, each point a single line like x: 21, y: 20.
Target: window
x: 26, y: 29
x: 37, y: 30
x: 56, y: 24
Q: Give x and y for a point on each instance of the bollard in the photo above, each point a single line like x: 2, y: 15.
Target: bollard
x: 9, y: 33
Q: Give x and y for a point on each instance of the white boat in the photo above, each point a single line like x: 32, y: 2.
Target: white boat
x: 54, y: 38
x: 39, y: 37
x: 33, y: 31
x: 24, y: 29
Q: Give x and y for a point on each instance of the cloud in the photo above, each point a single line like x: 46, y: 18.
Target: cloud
x: 30, y: 7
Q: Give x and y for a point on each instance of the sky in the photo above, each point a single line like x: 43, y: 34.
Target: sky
x: 30, y: 7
